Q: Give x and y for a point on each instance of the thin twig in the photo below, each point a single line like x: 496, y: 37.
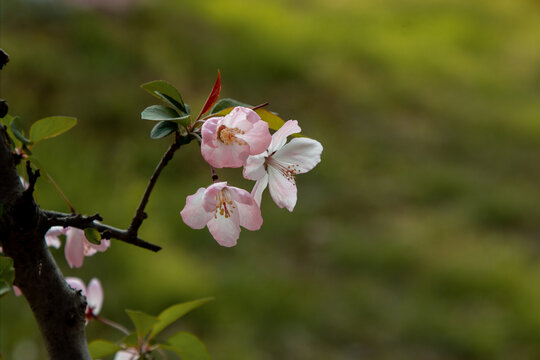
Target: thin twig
x: 140, y: 215
x: 111, y: 324
x: 64, y: 197
x: 260, y: 106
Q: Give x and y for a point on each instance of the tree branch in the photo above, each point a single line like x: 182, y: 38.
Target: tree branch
x: 59, y: 310
x: 82, y: 222
x: 140, y: 215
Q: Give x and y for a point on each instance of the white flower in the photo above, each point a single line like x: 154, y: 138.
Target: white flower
x: 278, y: 166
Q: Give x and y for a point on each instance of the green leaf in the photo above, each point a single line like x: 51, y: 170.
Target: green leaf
x: 7, y: 120
x: 7, y: 274
x: 16, y: 129
x: 92, y: 235
x: 166, y: 92
x: 160, y: 113
x: 274, y: 121
x: 188, y: 346
x: 131, y: 340
x: 4, y: 288
x: 227, y: 103
x: 143, y: 322
x: 101, y: 348
x: 49, y: 127
x: 162, y: 129
x: 175, y: 312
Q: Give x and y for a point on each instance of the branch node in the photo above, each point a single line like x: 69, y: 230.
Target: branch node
x: 96, y: 217
x: 4, y: 58
x: 32, y: 177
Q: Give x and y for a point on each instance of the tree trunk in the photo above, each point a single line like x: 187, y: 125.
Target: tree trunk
x: 59, y: 310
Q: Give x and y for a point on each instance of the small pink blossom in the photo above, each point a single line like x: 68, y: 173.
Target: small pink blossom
x: 223, y: 209
x: 77, y: 246
x: 94, y: 295
x: 128, y: 354
x: 228, y: 140
x: 280, y: 163
x: 52, y: 236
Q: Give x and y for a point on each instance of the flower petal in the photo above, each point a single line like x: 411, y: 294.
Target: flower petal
x: 239, y: 195
x: 129, y: 354
x: 51, y: 236
x: 225, y: 155
x: 76, y: 284
x: 74, y: 249
x: 94, y: 296
x: 282, y: 190
x: 254, y: 167
x: 258, y: 137
x: 193, y: 214
x: 242, y: 118
x: 209, y: 132
x: 101, y: 247
x: 210, y: 194
x: 17, y: 291
x: 250, y: 215
x: 225, y: 230
x: 302, y: 153
x: 280, y: 137
x: 258, y: 189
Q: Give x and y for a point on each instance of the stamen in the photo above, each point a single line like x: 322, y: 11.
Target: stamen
x: 288, y: 171
x: 228, y: 135
x: 224, y: 205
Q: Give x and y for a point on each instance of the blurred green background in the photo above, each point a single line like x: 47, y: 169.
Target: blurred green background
x: 416, y: 237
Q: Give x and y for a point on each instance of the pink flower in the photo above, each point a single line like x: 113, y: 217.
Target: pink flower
x: 223, y: 209
x: 128, y: 354
x: 278, y: 166
x: 227, y: 141
x: 51, y: 237
x: 77, y: 247
x: 94, y: 295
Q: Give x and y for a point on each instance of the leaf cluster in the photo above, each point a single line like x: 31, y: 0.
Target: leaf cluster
x: 147, y: 327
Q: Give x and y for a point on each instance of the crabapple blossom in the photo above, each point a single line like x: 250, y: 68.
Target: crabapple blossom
x: 228, y: 140
x: 77, y: 246
x: 128, y: 354
x: 94, y: 295
x: 51, y: 237
x: 223, y: 209
x: 280, y: 163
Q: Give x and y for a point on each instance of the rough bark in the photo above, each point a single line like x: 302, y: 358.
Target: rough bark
x: 59, y: 310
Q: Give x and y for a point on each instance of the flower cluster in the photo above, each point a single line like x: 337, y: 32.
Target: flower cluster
x: 242, y: 138
x: 77, y: 246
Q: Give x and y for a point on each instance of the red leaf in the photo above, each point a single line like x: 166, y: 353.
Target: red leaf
x: 212, y: 98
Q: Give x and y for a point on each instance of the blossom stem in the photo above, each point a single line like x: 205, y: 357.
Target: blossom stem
x: 111, y: 324
x: 260, y: 106
x: 215, y: 177
x: 197, y: 137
